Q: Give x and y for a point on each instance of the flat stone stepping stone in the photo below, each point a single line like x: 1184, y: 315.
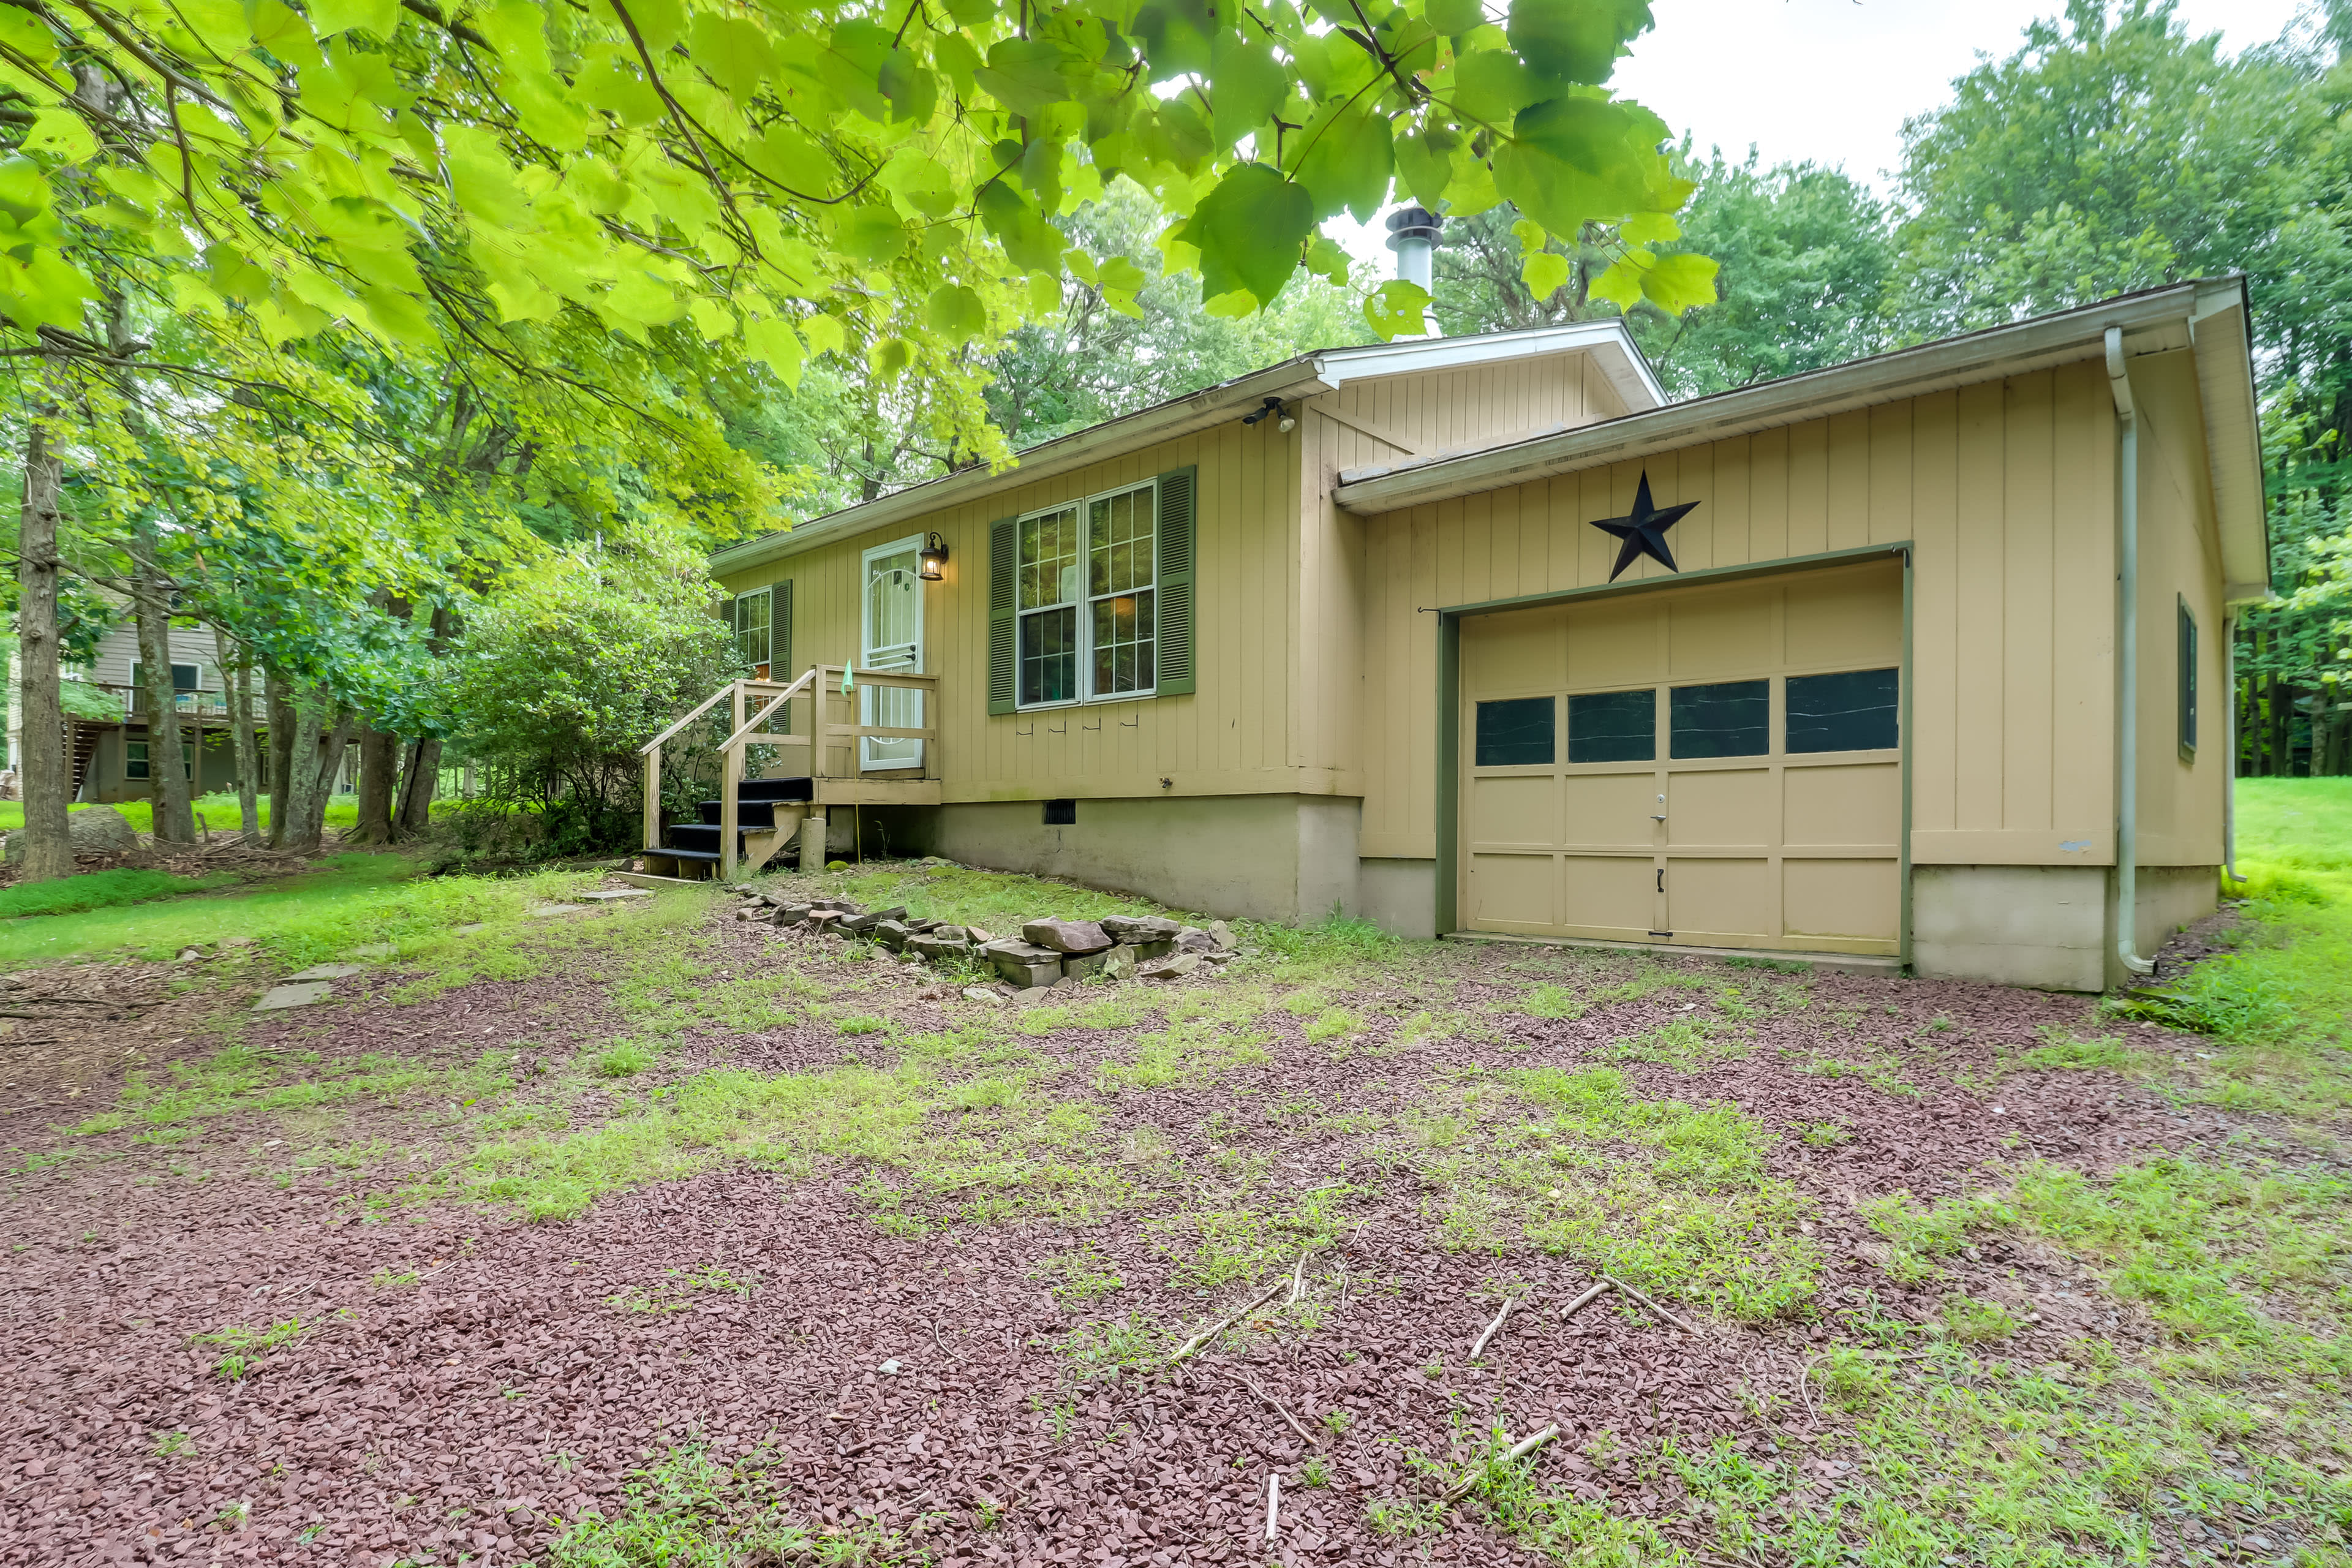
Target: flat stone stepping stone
x: 375, y: 949
x: 605, y: 895
x: 293, y: 995
x: 546, y: 911
x: 324, y: 972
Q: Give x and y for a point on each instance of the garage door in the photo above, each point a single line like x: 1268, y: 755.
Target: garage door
x: 1710, y: 766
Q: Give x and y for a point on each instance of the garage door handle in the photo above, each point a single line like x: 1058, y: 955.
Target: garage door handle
x: 1658, y: 816
x: 1662, y: 878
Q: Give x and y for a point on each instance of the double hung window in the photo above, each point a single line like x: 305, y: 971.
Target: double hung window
x: 1087, y: 590
x: 752, y: 615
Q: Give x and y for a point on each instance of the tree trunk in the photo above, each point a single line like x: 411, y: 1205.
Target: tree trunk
x: 283, y: 722
x: 293, y: 824
x: 330, y: 766
x: 47, y: 776
x: 416, y: 786
x: 239, y: 681
x: 379, y: 760
x: 167, y: 777
x: 414, y: 817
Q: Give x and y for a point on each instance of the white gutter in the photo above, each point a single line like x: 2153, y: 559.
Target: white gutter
x: 2127, y: 666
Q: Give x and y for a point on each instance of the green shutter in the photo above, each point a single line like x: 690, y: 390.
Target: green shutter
x: 1004, y: 572
x: 780, y: 646
x: 779, y: 632
x: 1175, y: 581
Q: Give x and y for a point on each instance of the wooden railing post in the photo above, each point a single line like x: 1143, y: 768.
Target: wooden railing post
x: 653, y: 798
x: 731, y: 775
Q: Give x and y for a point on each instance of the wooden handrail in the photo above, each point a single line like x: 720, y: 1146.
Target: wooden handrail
x: 705, y: 706
x: 753, y: 723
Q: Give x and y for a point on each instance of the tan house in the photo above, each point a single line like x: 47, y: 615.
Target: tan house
x: 1392, y: 632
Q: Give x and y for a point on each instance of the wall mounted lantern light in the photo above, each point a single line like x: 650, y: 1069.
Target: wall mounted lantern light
x: 933, y: 558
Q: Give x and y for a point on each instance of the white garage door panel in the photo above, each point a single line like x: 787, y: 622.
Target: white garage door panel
x: 1793, y: 850
x: 1515, y: 892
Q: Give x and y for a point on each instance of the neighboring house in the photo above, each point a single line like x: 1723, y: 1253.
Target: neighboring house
x: 1344, y: 635
x: 113, y: 758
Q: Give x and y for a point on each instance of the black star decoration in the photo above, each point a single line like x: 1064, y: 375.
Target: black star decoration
x: 1644, y: 531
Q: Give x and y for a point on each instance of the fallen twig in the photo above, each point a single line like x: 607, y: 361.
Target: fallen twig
x: 1205, y: 1335
x: 1251, y: 1385
x: 1480, y: 1343
x: 942, y: 1349
x: 1518, y: 1450
x: 1273, y: 1504
x: 1298, y: 1276
x: 1591, y: 1295
x: 1679, y: 1322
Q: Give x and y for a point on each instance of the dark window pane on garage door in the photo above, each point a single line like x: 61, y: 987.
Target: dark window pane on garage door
x: 1728, y: 718
x: 1613, y: 727
x: 1515, y: 732
x: 1853, y: 710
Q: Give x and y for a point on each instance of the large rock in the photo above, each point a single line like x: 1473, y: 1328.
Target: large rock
x: 1139, y: 928
x: 1120, y: 962
x: 867, y: 922
x: 1066, y: 936
x: 1024, y: 963
x: 1169, y: 967
x: 936, y: 947
x: 892, y: 934
x: 93, y: 830
x: 1192, y: 938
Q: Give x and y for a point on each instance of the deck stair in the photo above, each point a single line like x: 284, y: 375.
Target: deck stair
x: 768, y: 813
x: 818, y: 724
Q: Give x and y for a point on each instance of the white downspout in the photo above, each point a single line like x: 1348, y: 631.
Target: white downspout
x: 2230, y: 763
x: 2127, y: 667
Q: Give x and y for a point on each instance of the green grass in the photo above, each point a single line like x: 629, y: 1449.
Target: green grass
x: 221, y: 813
x: 352, y: 900
x: 1672, y: 1196
x: 102, y: 890
x: 2281, y: 1004
x: 688, y: 1510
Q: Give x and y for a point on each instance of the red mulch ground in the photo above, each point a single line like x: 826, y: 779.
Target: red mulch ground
x: 459, y: 1418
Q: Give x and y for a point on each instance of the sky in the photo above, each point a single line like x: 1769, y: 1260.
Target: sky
x: 1832, y: 81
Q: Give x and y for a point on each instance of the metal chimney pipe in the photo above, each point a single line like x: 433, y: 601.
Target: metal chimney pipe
x: 1412, y: 234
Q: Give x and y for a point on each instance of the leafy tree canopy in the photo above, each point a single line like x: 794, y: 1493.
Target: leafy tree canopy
x: 798, y: 180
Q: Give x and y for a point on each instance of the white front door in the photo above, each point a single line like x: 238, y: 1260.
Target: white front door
x: 893, y: 640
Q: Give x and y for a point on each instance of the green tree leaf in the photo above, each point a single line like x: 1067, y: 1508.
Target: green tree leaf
x: 1575, y: 40
x: 1248, y: 232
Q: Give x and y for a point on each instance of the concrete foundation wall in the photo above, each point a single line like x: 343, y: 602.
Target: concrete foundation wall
x: 1399, y: 896
x: 2171, y: 897
x: 2043, y: 926
x: 1260, y: 857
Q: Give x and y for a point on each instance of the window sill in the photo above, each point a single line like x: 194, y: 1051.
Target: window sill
x: 1082, y: 702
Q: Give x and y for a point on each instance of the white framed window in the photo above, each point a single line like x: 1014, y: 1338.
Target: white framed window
x: 1087, y: 587
x: 753, y: 620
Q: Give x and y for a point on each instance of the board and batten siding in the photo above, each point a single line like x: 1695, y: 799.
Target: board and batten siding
x: 2005, y: 490
x: 1235, y: 735
x: 1377, y: 422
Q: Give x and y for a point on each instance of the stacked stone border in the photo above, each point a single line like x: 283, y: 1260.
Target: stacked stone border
x: 1049, y: 951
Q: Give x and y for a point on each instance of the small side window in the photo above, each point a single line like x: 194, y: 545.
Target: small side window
x: 1515, y: 732
x: 2187, y: 680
